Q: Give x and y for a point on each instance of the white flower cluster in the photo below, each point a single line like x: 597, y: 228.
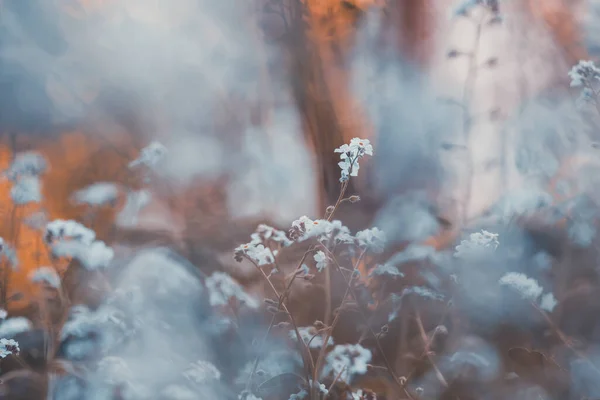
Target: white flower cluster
x: 150, y: 156
x: 584, y: 74
x: 321, y: 260
x: 373, y: 239
x: 350, y: 154
x: 71, y: 239
x: 529, y: 289
x: 305, y: 228
x: 25, y: 173
x: 26, y: 164
x: 202, y: 372
x: 301, y: 395
x: 479, y: 244
x: 27, y: 189
x: 97, y: 194
x: 347, y: 360
x: 45, y: 275
x: 258, y: 249
x: 311, y: 337
x: 8, y: 347
x: 222, y: 287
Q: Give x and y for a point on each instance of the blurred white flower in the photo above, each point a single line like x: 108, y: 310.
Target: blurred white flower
x: 478, y: 245
x: 321, y: 260
x: 3, y: 314
x: 8, y: 347
x: 222, y: 287
x: 258, y: 253
x: 202, y: 372
x: 373, y: 239
x: 72, y: 230
x: 27, y: 189
x: 321, y: 386
x: 584, y: 73
x: 265, y: 233
x: 27, y: 164
x: 47, y: 275
x: 97, y: 194
x: 347, y: 360
x: 13, y: 326
x: 311, y: 337
x: 150, y: 156
x: 386, y: 270
x: 527, y: 287
x: 301, y: 395
x: 94, y: 256
x: 548, y: 302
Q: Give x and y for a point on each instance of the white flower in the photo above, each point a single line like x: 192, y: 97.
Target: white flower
x: 94, y: 256
x: 548, y: 302
x: 26, y: 190
x: 97, y: 194
x: 265, y: 233
x: 373, y: 239
x: 202, y: 372
x: 60, y: 230
x: 321, y: 260
x: 361, y: 146
x: 347, y: 360
x: 13, y: 326
x: 528, y: 288
x: 258, y: 253
x: 321, y: 386
x: 150, y: 156
x: 386, y: 270
x: 47, y: 275
x: 478, y: 245
x: 3, y: 314
x: 301, y: 395
x: 8, y: 347
x: 222, y: 287
x: 305, y: 228
x: 583, y: 73
x: 350, y: 154
x: 311, y: 337
x: 27, y: 164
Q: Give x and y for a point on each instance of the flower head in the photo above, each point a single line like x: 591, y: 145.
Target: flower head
x: 46, y: 275
x: 349, y: 154
x: 321, y: 260
x: 527, y: 287
x: 479, y: 244
x: 584, y: 73
x: 8, y: 347
x: 347, y: 360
